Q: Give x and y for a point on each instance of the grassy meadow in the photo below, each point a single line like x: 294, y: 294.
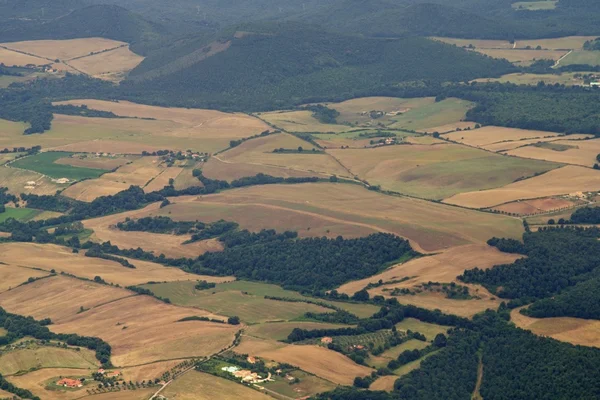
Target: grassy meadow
x: 45, y: 163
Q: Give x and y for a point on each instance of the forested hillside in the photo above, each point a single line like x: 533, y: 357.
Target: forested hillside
x: 283, y: 65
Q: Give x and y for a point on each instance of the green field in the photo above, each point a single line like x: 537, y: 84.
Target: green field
x: 535, y: 5
x: 21, y: 214
x: 281, y: 330
x: 411, y: 366
x: 308, y: 385
x: 565, y: 78
x: 384, y: 358
x: 427, y: 329
x: 44, y: 163
x: 436, y: 114
x: 582, y: 57
x: 234, y: 297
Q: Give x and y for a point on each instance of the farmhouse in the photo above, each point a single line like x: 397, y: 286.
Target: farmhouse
x: 326, y: 340
x: 70, y: 383
x: 251, y: 360
x: 112, y: 374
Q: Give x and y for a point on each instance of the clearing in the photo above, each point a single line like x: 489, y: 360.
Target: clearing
x: 436, y: 171
x: 281, y: 330
x: 566, y: 180
x: 341, y: 206
x: 535, y: 5
x: 572, y: 330
x: 48, y: 256
x: 200, y: 386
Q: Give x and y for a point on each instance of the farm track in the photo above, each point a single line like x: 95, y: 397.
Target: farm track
x: 557, y: 63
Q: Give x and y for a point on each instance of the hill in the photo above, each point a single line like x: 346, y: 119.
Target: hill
x: 280, y: 65
x: 111, y: 22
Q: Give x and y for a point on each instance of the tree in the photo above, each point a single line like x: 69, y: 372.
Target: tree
x: 300, y: 149
x: 361, y: 295
x: 235, y: 320
x: 440, y: 340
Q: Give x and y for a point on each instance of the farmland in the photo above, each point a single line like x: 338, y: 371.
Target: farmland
x: 299, y: 121
x: 535, y: 5
x: 38, y: 357
x: 438, y: 171
x: 349, y: 205
x: 565, y: 78
x: 21, y: 214
x: 46, y: 164
x: 17, y: 182
x: 582, y: 57
x: 61, y: 259
x: 565, y: 180
x: 12, y: 276
x: 200, y: 386
x: 523, y: 57
x: 567, y: 151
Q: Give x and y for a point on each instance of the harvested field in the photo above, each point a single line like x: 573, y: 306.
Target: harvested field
x: 385, y: 383
x: 565, y: 180
x: 170, y: 245
x: 462, y: 308
x: 306, y: 385
x: 251, y: 308
x: 535, y: 206
x: 134, y: 326
x: 12, y: 276
x: 436, y: 172
x: 452, y: 127
x: 162, y: 179
x: 216, y: 168
x: 110, y: 65
x: 259, y: 152
x: 577, y: 152
x: 148, y: 372
x: 437, y: 227
x: 319, y: 361
x: 443, y: 267
x: 89, y: 190
x: 62, y: 259
x: 14, y: 59
x: 299, y: 121
x: 429, y: 330
x: 36, y: 382
x: 489, y: 135
x: 281, y: 330
x: 64, y: 49
x: 39, y: 357
x: 523, y: 56
x: 572, y: 330
x: 253, y: 345
x: 200, y: 386
x: 174, y: 128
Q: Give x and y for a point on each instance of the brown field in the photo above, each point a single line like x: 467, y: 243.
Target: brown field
x: 13, y: 59
x: 62, y: 259
x: 12, y: 276
x: 186, y: 178
x: 479, y: 44
x: 111, y: 65
x: 91, y: 189
x: 437, y: 227
x: 107, y: 163
x: 134, y: 326
x: 299, y: 121
x: 435, y: 172
x: 582, y: 152
x: 174, y: 128
x: 216, y: 168
x: 16, y: 181
x: 147, y: 372
x: 63, y: 49
x: 523, y: 57
x: 442, y: 267
x: 15, y: 361
x: 200, y: 386
x: 259, y: 152
x: 462, y: 308
x: 572, y: 330
x: 563, y: 43
x: 504, y: 147
x: 535, y: 206
x: 565, y: 180
x: 384, y: 383
x: 36, y: 382
x: 452, y: 127
x: 489, y: 135
x: 169, y: 245
x: 254, y: 345
x: 317, y: 360
x: 162, y: 179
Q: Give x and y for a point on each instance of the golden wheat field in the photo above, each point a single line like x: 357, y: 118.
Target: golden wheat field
x: 12, y: 276
x: 567, y: 151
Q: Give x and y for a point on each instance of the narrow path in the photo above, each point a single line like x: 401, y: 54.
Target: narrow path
x: 476, y: 392
x: 560, y: 59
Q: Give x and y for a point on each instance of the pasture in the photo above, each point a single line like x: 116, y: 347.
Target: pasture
x: 46, y: 164
x: 572, y: 330
x: 299, y: 121
x: 448, y: 111
x: 93, y: 161
x: 17, y: 182
x: 281, y: 330
x: 38, y: 357
x: 385, y: 383
x: 340, y: 205
x: 521, y: 78
x: 201, y: 386
x: 251, y: 308
x: 110, y: 65
x: 357, y: 111
x: 436, y: 172
x: 307, y: 385
x: 63, y: 49
x: 567, y: 151
x: 37, y: 383
x: 523, y: 57
x: 561, y: 181
x: 47, y: 257
x: 21, y: 214
x: 490, y: 135
x: 217, y: 168
x: 153, y: 128
x: 582, y: 57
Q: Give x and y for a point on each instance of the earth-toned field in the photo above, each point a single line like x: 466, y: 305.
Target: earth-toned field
x: 567, y: 151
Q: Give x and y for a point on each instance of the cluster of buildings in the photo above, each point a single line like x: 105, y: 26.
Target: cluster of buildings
x: 109, y: 374
x: 246, y: 376
x: 70, y: 383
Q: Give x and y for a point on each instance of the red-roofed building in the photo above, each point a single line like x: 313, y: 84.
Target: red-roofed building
x: 70, y: 383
